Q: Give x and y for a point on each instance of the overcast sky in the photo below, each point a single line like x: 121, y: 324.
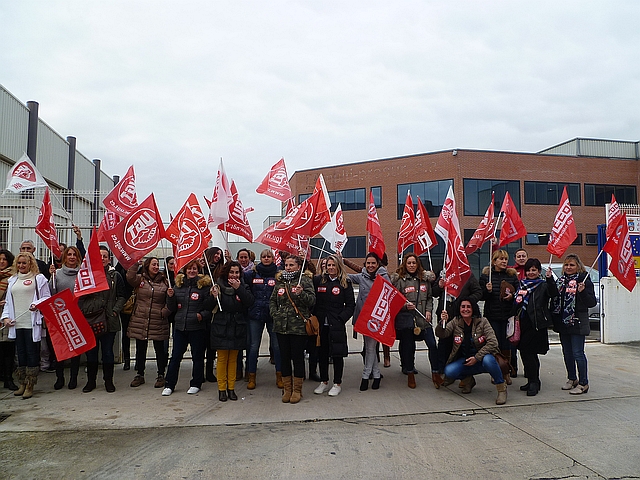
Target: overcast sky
x: 173, y: 86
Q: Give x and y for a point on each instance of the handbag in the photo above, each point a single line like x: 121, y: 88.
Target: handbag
x: 311, y: 324
x: 505, y: 367
x: 127, y: 309
x: 513, y: 330
x: 97, y: 321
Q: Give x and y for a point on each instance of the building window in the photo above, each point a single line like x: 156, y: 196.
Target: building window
x: 353, y: 199
x: 477, y: 194
x: 377, y: 196
x: 432, y: 195
x: 549, y: 193
x: 591, y: 239
x: 356, y: 247
x: 599, y: 195
x: 480, y: 258
x: 543, y: 239
x: 5, y: 232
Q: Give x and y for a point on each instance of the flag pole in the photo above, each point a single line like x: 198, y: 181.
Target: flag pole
x: 596, y: 260
x: 164, y: 253
x: 491, y: 244
x: 211, y: 275
x: 304, y: 259
x: 321, y: 252
x: 429, y: 255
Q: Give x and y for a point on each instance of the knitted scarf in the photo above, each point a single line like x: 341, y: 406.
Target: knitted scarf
x: 526, y: 289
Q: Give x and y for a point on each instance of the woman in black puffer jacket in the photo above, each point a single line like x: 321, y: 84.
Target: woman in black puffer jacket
x: 191, y: 304
x: 498, y: 298
x: 229, y: 326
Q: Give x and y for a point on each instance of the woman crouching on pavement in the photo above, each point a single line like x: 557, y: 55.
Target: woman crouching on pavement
x: 291, y: 302
x: 192, y: 304
x: 474, y: 348
x: 229, y: 326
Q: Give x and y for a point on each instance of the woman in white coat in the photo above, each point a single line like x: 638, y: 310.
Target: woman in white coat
x: 25, y: 288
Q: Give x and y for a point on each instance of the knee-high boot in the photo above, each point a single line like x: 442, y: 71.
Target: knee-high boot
x: 8, y: 374
x: 59, y: 376
x: 73, y: 375
x: 107, y: 376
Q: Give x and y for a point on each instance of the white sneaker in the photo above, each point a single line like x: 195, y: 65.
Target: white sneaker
x: 193, y: 390
x: 166, y: 392
x: 335, y: 390
x: 320, y: 389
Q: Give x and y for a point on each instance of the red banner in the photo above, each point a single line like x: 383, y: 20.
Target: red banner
x: 109, y: 222
x: 138, y: 234
x: 46, y: 228
x: 276, y: 183
x: 424, y: 234
x: 220, y: 200
x: 376, y: 239
x: 485, y: 230
x: 406, y: 237
x: 123, y: 200
x: 377, y: 317
x: 613, y: 215
x: 91, y: 277
x: 238, y: 223
x: 512, y: 226
x: 619, y: 247
x: 563, y: 232
x: 70, y: 333
x: 192, y: 242
x: 172, y: 233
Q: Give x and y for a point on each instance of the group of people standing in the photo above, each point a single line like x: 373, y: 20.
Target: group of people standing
x: 220, y: 309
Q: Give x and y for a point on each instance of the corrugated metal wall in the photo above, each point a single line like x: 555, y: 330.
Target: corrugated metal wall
x: 607, y: 148
x: 52, y: 155
x: 84, y: 177
x: 566, y: 148
x: 14, y: 123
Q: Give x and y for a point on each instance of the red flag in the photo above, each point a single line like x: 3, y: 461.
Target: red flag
x: 70, y: 333
x: 46, y: 228
x: 123, y: 200
x: 485, y: 230
x: 424, y: 234
x: 619, y: 247
x: 289, y: 206
x: 238, y: 223
x: 109, y: 221
x: 173, y: 230
x: 276, y: 183
x: 138, y: 234
x: 377, y: 317
x: 563, y: 232
x: 191, y: 240
x: 24, y: 176
x: 302, y: 222
x: 512, y: 226
x: 376, y: 239
x: 221, y: 199
x: 406, y: 236
x: 91, y: 277
x: 612, y: 216
x: 456, y: 267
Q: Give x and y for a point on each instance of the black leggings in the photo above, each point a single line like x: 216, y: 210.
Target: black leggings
x: 292, y: 350
x: 324, y: 351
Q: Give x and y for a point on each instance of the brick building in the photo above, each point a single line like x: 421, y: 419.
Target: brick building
x: 592, y: 169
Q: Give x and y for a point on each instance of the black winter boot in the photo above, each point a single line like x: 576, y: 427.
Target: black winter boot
x: 8, y: 374
x: 73, y: 375
x: 92, y: 374
x: 107, y: 375
x: 59, y: 376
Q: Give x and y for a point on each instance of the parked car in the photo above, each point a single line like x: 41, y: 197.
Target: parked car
x: 594, y: 312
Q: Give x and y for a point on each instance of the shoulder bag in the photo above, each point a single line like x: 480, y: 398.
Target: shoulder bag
x: 311, y: 324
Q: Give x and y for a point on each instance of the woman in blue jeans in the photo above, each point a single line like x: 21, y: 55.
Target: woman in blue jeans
x: 474, y: 348
x: 570, y: 311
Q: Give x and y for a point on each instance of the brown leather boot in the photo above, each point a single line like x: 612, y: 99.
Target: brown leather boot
x: 502, y: 393
x: 411, y: 382
x: 252, y: 381
x: 469, y: 383
x: 31, y: 380
x: 288, y: 387
x: 297, y: 389
x: 279, y: 383
x: 386, y: 351
x: 437, y: 380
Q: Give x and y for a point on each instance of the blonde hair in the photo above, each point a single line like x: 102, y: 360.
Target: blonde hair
x: 342, y: 274
x: 33, y: 265
x: 575, y: 258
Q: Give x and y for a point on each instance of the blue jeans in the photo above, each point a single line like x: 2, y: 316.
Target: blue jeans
x: 430, y: 339
x: 28, y: 350
x: 256, y: 327
x: 106, y: 343
x: 489, y: 364
x: 573, y: 353
x: 181, y: 339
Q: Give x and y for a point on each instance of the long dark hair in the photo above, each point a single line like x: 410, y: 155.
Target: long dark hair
x: 474, y: 307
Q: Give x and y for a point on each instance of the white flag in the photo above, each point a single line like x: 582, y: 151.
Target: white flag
x: 334, y: 231
x: 221, y: 201
x: 23, y: 176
